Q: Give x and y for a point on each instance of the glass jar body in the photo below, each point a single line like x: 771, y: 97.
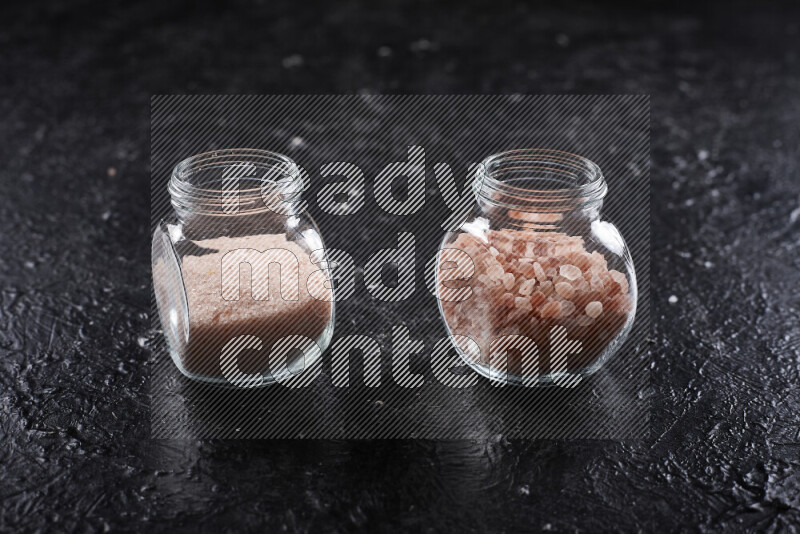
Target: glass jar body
x: 535, y: 292
x: 233, y: 285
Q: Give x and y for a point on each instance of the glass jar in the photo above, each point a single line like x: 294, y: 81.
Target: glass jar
x: 240, y: 270
x: 534, y: 287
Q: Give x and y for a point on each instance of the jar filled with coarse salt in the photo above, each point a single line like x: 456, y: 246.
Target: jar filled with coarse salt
x: 534, y: 286
x: 239, y: 271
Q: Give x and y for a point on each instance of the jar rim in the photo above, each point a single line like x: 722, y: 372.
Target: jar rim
x: 552, y: 178
x: 192, y: 191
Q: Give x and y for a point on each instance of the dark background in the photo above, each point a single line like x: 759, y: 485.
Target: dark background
x: 75, y: 85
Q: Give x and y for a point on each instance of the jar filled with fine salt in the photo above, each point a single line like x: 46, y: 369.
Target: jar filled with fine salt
x: 240, y: 275
x: 534, y: 286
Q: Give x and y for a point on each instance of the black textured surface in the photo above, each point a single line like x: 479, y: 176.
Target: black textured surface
x: 725, y: 446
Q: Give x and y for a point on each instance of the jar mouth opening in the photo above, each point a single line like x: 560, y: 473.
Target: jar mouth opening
x: 233, y: 181
x: 539, y: 178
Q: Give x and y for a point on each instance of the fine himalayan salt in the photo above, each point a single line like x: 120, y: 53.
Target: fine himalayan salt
x: 298, y: 303
x: 527, y: 282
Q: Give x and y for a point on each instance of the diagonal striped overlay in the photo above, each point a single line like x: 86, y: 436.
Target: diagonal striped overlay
x: 378, y: 378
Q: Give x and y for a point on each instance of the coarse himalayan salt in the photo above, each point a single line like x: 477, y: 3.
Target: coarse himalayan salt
x: 527, y: 282
x: 214, y: 321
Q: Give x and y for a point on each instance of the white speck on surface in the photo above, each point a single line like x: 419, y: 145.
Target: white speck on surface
x: 689, y: 202
x: 106, y: 215
x: 673, y: 299
x: 290, y: 62
x: 141, y: 341
x: 421, y: 45
x: 297, y: 142
x: 794, y: 215
x: 524, y: 490
x: 29, y: 264
x: 702, y: 155
x: 708, y: 265
x: 384, y: 51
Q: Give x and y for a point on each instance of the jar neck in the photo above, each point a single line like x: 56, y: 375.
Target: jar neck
x: 232, y: 184
x: 540, y: 189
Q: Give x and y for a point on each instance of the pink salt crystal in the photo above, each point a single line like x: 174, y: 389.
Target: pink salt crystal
x: 562, y: 250
x: 523, y: 304
x: 495, y: 271
x: 527, y: 270
x: 596, y: 283
x: 538, y: 298
x: 619, y: 278
x: 621, y: 303
x: 581, y: 260
x: 550, y: 310
x: 612, y: 287
x: 494, y: 282
x: 508, y: 280
x: 567, y: 308
x: 494, y: 251
x: 580, y: 285
x: 565, y: 290
x: 504, y: 247
x: 546, y: 288
x: 526, y: 287
x: 570, y: 272
x: 584, y: 320
x: 540, y: 274
x: 596, y: 270
x: 550, y: 272
x: 594, y: 309
x: 598, y: 259
x: 582, y: 299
